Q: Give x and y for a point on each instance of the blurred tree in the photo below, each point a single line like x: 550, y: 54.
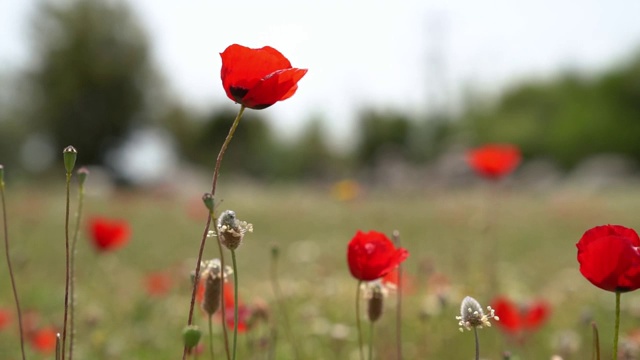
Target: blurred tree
x: 92, y: 79
x: 382, y: 133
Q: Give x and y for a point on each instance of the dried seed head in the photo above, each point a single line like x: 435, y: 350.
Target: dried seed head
x: 375, y: 303
x: 70, y: 155
x: 472, y: 315
x: 232, y: 230
x: 212, y: 293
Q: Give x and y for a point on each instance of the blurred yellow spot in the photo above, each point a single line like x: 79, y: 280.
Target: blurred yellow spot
x: 345, y: 190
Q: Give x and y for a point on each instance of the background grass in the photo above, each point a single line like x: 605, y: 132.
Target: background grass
x: 486, y: 241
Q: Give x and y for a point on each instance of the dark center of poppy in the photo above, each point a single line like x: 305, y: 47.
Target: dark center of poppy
x: 238, y: 93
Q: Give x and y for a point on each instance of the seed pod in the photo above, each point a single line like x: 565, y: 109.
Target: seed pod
x: 375, y: 304
x: 212, y: 293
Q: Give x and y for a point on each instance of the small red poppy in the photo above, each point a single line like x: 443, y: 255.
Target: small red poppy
x: 158, y: 284
x: 5, y: 318
x: 516, y: 320
x: 258, y: 78
x: 372, y: 255
x: 44, y: 340
x: 494, y: 161
x: 609, y: 258
x: 244, y: 312
x: 108, y: 234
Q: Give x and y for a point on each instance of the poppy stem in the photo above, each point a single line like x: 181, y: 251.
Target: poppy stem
x: 282, y: 308
x: 216, y: 173
x: 67, y: 265
x: 396, y: 240
x: 6, y: 248
x: 235, y: 303
x: 617, y: 326
x: 596, y: 342
x: 210, y: 336
x: 370, y: 340
x: 358, y: 320
x: 222, y: 297
x: 72, y: 294
x: 475, y: 334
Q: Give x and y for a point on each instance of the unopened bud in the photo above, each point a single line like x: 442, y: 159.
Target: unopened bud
x: 207, y: 198
x: 375, y: 304
x: 212, y: 293
x: 82, y: 173
x: 191, y: 336
x: 275, y: 251
x: 70, y: 155
x: 1, y: 175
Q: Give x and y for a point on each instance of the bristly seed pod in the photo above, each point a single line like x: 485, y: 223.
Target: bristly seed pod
x: 232, y: 230
x: 212, y: 293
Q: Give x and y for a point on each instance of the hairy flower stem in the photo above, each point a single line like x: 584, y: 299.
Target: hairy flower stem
x: 13, y: 281
x: 370, y: 340
x: 67, y: 265
x: 358, y: 321
x: 235, y: 303
x: 72, y: 294
x: 617, y: 326
x: 396, y: 240
x: 210, y: 336
x: 475, y: 334
x: 596, y: 342
x: 222, y: 304
x: 282, y: 308
x: 216, y: 173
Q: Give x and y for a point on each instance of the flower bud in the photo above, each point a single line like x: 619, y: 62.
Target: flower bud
x: 1, y: 175
x: 212, y: 293
x: 191, y: 336
x: 375, y: 303
x: 207, y: 198
x: 70, y: 155
x: 82, y: 173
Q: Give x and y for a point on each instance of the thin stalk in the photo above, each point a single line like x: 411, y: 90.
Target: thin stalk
x: 617, y: 327
x: 475, y: 334
x: 370, y: 340
x: 72, y: 290
x: 13, y: 281
x: 216, y: 173
x: 596, y: 342
x: 210, y: 336
x: 222, y: 303
x: 67, y: 265
x: 396, y: 239
x: 282, y: 308
x: 358, y: 321
x: 235, y: 303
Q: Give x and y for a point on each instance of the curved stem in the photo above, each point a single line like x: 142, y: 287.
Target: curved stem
x: 13, y: 281
x: 67, y: 266
x: 210, y: 336
x: 282, y: 306
x: 617, y: 327
x: 475, y: 334
x: 358, y: 321
x: 370, y: 340
x: 216, y: 173
x: 235, y: 302
x: 72, y: 292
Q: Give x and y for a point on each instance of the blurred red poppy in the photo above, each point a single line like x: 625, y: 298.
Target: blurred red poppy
x: 258, y: 78
x: 516, y: 320
x: 494, y: 161
x: 392, y: 278
x: 609, y: 258
x: 372, y: 255
x: 158, y: 283
x: 44, y: 340
x: 108, y: 234
x: 5, y: 318
x: 243, y: 310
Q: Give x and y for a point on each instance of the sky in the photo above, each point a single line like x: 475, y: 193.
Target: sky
x: 411, y: 55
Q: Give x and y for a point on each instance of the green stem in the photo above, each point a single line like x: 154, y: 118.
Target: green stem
x: 358, y: 321
x: 13, y: 281
x: 222, y: 303
x: 67, y: 266
x: 370, y: 340
x: 210, y: 336
x: 475, y: 334
x: 235, y: 302
x: 617, y: 327
x: 596, y: 342
x: 72, y: 294
x: 282, y: 308
x: 216, y: 173
x: 396, y: 239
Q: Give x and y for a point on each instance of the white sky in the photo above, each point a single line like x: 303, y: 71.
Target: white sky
x: 368, y: 52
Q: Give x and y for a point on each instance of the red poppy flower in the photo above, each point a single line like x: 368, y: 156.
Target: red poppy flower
x: 44, y: 340
x: 392, y: 278
x: 109, y: 234
x: 5, y: 318
x: 158, y: 284
x: 609, y: 258
x: 494, y: 161
x: 372, y: 255
x: 515, y: 319
x: 258, y: 78
x: 243, y: 310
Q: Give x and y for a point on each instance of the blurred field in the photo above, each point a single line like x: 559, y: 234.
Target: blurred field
x: 526, y: 238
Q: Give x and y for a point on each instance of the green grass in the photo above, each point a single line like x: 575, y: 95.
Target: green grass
x: 526, y: 239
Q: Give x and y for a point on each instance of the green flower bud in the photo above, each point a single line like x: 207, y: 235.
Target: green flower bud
x: 82, y: 173
x: 1, y: 175
x: 207, y: 198
x: 191, y: 336
x: 70, y: 155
